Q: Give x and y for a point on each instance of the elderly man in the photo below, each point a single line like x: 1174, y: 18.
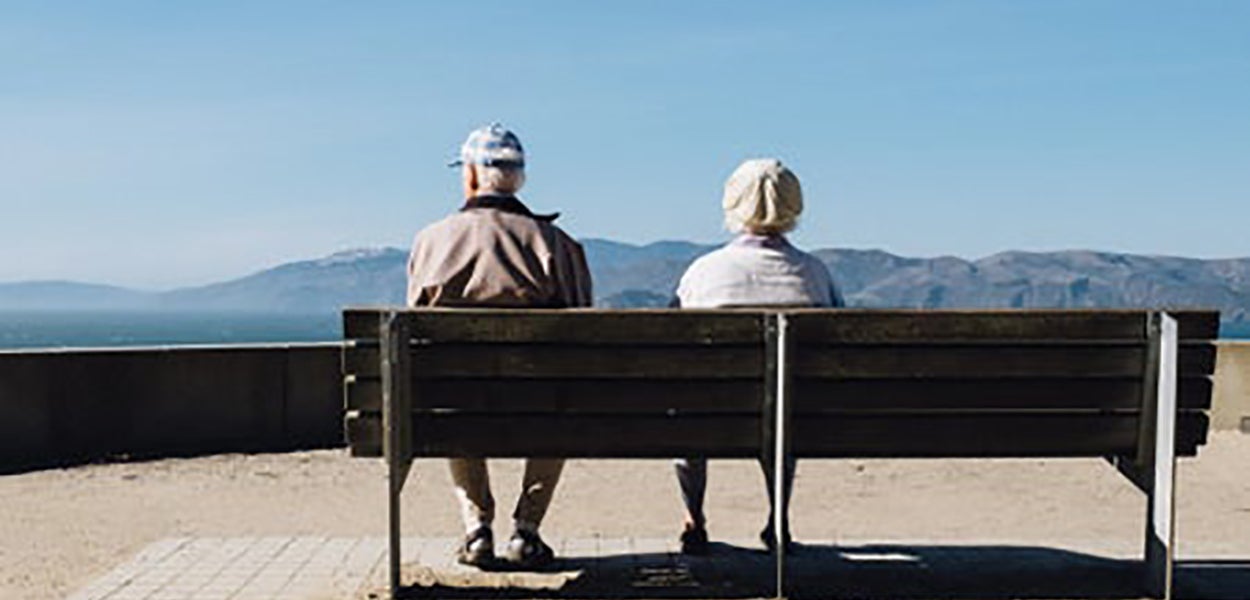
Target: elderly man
x: 494, y: 252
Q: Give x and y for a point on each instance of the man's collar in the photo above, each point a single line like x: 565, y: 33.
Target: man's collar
x: 508, y: 204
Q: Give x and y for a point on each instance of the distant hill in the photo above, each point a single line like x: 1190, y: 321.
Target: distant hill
x: 366, y: 276
x: 628, y: 275
x: 69, y: 295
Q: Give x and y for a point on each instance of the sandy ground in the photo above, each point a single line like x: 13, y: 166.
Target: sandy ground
x: 61, y: 528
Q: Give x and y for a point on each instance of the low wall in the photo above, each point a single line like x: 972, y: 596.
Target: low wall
x: 63, y: 407
x: 1230, y: 403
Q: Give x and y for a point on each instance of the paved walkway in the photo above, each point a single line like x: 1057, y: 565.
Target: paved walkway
x: 314, y: 568
x: 242, y: 569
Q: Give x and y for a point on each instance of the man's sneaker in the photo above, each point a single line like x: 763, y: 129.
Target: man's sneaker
x: 694, y: 542
x: 478, y: 548
x: 527, y: 551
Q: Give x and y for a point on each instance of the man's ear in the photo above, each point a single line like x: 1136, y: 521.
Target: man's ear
x: 471, y: 184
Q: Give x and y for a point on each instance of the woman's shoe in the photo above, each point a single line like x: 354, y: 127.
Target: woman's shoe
x: 694, y: 542
x: 770, y: 540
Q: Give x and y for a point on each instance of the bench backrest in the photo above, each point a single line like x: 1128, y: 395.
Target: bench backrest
x: 987, y: 383
x: 568, y: 383
x: 662, y: 383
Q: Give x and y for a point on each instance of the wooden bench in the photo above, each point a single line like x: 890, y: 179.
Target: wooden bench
x: 1130, y: 386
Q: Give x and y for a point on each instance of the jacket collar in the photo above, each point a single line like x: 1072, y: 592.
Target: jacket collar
x: 775, y: 241
x: 508, y: 204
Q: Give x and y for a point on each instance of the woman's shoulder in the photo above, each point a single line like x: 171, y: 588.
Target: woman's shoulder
x: 813, y: 262
x: 724, y: 259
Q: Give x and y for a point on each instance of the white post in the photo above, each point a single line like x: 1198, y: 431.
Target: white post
x: 1161, y: 505
x: 780, y: 451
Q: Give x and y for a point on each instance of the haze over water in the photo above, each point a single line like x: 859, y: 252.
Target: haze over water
x: 30, y: 330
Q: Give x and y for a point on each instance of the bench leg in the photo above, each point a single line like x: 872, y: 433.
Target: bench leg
x: 1160, y: 466
x: 397, y: 473
x: 393, y: 532
x: 397, y: 431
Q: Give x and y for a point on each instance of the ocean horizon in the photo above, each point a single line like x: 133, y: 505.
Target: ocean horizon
x: 105, y: 329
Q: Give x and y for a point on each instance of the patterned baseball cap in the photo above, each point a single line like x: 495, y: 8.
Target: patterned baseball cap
x: 491, y: 146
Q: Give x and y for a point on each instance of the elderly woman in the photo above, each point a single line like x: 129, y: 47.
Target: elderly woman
x: 759, y: 267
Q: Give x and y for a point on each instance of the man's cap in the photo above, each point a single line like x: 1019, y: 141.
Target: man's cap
x: 491, y: 146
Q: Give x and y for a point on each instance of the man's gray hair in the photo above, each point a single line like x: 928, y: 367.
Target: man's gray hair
x: 501, y: 180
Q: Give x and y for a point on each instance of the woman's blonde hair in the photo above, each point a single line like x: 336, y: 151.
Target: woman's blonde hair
x: 762, y: 196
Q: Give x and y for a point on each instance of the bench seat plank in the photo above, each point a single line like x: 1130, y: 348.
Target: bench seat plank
x: 605, y: 436
x: 979, y: 435
x: 1009, y: 435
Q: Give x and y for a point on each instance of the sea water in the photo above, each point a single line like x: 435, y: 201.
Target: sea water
x: 1235, y: 330
x: 28, y: 329
x: 61, y: 329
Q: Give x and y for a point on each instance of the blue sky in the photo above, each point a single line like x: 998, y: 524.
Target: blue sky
x: 159, y: 144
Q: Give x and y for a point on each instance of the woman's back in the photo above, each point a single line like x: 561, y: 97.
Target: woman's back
x: 757, y: 270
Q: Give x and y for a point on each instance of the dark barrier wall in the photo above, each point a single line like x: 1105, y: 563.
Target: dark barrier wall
x: 61, y: 407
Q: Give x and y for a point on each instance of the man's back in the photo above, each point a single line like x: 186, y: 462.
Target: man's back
x: 499, y: 255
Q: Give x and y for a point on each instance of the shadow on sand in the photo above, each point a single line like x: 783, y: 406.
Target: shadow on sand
x: 853, y: 572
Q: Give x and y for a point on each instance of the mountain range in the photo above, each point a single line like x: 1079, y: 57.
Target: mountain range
x: 627, y: 276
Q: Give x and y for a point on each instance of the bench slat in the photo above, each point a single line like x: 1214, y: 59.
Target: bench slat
x: 362, y: 323
x: 360, y: 357
x: 616, y: 436
x: 589, y: 362
x: 855, y: 326
x: 569, y: 360
x: 706, y: 362
x: 934, y: 436
x: 591, y: 396
x: 581, y: 396
x: 1122, y: 394
x: 571, y: 326
x: 988, y: 361
x: 914, y: 436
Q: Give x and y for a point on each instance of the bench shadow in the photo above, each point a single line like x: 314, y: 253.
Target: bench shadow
x: 905, y: 572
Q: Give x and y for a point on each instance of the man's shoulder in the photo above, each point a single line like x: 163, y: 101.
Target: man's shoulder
x: 452, y: 226
x: 448, y: 222
x: 474, y: 222
x: 563, y: 235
